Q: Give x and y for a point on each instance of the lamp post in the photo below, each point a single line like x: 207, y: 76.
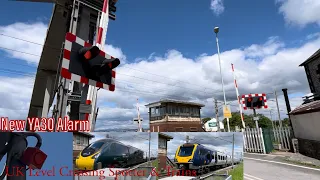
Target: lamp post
x: 216, y: 30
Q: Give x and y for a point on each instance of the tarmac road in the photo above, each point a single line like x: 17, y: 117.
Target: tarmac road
x: 262, y: 167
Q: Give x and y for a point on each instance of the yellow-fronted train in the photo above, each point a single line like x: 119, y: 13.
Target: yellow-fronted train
x: 201, y: 158
x: 110, y: 153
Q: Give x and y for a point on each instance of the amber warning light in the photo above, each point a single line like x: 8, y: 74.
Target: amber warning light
x: 34, y: 157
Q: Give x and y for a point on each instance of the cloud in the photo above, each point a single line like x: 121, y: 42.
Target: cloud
x: 217, y: 6
x: 301, y: 12
x: 259, y: 68
x: 221, y: 142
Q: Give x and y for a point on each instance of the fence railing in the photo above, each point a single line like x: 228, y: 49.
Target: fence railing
x: 283, y: 137
x: 253, y: 140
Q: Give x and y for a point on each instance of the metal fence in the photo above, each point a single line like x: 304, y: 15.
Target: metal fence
x: 282, y: 136
x: 253, y: 140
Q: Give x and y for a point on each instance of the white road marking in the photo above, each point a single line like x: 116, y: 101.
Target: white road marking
x: 250, y: 177
x: 304, y: 167
x: 266, y: 154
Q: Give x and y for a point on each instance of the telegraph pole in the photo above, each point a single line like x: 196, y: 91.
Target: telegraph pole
x: 187, y: 139
x: 232, y: 149
x: 280, y: 122
x: 217, y: 113
x: 149, y: 144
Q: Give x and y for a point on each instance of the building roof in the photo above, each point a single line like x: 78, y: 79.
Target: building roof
x: 310, y: 107
x: 165, y: 136
x: 311, y: 58
x: 84, y: 134
x: 155, y: 104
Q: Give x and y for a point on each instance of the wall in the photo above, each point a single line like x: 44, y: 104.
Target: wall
x: 80, y: 142
x: 313, y: 67
x: 307, y: 133
x: 304, y: 126
x: 309, y: 148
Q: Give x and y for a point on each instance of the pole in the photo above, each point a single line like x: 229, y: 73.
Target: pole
x: 280, y: 122
x: 149, y: 145
x: 139, y: 123
x: 238, y: 96
x: 255, y: 115
x: 232, y: 149
x: 187, y: 139
x: 224, y: 93
x: 101, y: 38
x: 217, y: 114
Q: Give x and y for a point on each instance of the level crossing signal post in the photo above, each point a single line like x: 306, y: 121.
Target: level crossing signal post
x: 254, y: 101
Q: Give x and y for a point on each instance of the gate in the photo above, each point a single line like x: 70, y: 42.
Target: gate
x: 253, y: 140
x: 282, y: 137
x: 268, y: 139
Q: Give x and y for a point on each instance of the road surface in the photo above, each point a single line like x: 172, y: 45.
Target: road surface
x: 268, y: 167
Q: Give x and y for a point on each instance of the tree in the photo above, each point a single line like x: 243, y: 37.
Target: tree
x: 285, y: 122
x: 264, y: 122
x: 204, y: 120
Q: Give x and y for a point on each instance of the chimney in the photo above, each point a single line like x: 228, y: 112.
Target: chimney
x: 286, y: 98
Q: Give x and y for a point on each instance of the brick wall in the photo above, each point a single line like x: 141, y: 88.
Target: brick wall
x: 162, y: 160
x: 177, y: 127
x: 309, y: 148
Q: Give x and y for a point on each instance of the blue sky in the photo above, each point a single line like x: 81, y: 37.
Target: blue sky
x: 168, y: 50
x: 58, y: 147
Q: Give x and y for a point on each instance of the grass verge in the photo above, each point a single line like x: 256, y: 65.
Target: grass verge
x: 237, y: 172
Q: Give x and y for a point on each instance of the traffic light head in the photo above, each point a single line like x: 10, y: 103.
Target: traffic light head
x: 88, y: 53
x: 33, y: 157
x: 254, y: 101
x: 87, y: 64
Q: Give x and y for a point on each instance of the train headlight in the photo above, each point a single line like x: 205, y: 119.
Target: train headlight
x: 95, y: 156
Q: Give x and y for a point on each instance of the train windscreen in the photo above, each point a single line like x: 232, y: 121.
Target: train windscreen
x: 185, y: 151
x: 92, y: 148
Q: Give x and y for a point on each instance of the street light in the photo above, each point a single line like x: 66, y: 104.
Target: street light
x: 216, y: 30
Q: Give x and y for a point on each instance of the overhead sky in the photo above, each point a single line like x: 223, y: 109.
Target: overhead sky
x: 58, y: 147
x: 168, y: 50
x: 136, y: 139
x: 219, y: 141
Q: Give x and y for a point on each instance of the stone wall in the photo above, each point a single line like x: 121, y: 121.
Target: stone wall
x: 309, y: 148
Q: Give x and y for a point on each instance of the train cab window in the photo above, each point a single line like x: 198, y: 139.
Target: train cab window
x: 121, y: 149
x: 186, y: 151
x: 92, y: 148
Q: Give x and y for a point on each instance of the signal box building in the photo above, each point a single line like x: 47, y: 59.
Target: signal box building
x: 175, y: 116
x: 162, y: 150
x: 312, y: 68
x: 80, y: 141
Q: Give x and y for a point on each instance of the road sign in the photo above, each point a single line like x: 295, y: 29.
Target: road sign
x: 256, y: 118
x: 227, y: 111
x: 74, y: 98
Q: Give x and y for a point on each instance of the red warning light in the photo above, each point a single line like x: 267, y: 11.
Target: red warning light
x: 33, y: 157
x: 249, y: 100
x: 260, y: 99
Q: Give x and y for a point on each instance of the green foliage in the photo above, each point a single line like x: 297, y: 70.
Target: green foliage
x: 204, y: 120
x: 264, y: 122
x: 285, y: 122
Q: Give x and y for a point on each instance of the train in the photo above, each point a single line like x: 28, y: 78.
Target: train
x: 198, y: 157
x: 110, y: 153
